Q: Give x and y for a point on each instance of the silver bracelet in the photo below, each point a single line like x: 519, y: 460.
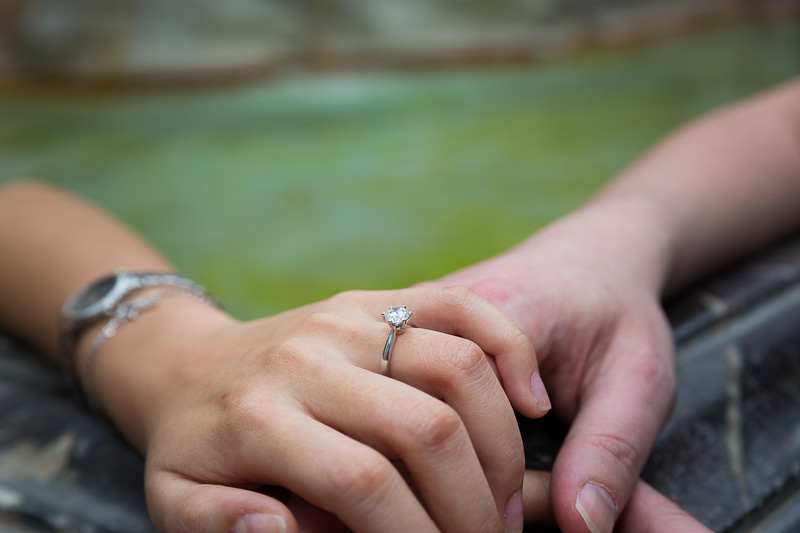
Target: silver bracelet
x: 122, y: 314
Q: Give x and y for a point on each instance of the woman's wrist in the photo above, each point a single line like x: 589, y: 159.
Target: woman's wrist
x: 137, y: 373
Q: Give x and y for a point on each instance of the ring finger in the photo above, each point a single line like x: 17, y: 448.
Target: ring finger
x: 432, y: 438
x: 457, y: 372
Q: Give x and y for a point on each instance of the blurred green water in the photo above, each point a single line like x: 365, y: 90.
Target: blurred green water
x: 284, y: 193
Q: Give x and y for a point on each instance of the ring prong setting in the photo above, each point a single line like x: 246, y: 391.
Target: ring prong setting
x: 397, y: 317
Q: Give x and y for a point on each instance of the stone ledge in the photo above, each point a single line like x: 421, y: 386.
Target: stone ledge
x: 730, y: 454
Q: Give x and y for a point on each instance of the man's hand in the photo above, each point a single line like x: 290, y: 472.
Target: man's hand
x: 586, y: 291
x: 647, y: 510
x: 604, y: 349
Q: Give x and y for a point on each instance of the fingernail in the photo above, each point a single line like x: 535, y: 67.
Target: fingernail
x: 539, y: 392
x: 260, y: 523
x: 513, y: 515
x: 597, y: 508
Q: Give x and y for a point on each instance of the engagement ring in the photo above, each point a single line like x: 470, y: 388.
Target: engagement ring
x: 397, y: 318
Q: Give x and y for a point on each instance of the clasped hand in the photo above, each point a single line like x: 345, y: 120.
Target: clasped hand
x: 232, y: 410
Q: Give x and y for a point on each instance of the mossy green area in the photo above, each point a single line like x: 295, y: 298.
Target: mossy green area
x: 282, y: 193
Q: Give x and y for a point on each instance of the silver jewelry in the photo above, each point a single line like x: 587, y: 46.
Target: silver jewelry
x: 122, y: 314
x: 103, y: 299
x: 397, y: 318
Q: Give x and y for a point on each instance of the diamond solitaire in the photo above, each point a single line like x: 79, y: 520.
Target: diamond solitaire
x: 397, y: 316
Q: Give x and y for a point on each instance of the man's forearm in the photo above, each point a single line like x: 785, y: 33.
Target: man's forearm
x: 722, y: 186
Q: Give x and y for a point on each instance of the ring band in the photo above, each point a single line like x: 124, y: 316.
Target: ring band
x: 397, y: 318
x: 387, y: 353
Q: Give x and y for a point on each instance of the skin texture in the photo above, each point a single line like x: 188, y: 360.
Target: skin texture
x: 295, y: 401
x: 587, y: 292
x: 605, y: 352
x: 225, y: 412
x: 645, y: 504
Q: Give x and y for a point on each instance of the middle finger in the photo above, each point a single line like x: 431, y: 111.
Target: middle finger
x: 454, y: 371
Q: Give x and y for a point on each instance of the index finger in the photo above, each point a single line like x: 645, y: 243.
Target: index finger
x: 620, y: 416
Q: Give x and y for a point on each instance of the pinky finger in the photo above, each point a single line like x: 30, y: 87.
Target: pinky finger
x: 178, y: 504
x: 312, y: 519
x: 536, y: 503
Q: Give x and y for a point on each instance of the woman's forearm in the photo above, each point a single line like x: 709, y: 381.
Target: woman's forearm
x: 52, y: 243
x: 218, y: 406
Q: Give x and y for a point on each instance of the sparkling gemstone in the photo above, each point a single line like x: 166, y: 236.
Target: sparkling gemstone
x: 397, y: 315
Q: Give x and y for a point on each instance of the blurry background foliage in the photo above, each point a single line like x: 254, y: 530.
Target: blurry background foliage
x: 280, y: 151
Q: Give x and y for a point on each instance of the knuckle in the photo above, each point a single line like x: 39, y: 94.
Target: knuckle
x: 321, y: 322
x: 290, y: 358
x: 619, y: 451
x: 235, y: 401
x: 273, y: 361
x: 659, y: 372
x: 348, y: 296
x: 458, y: 295
x: 287, y: 364
x: 290, y: 351
x: 464, y: 356
x: 327, y: 325
x: 432, y: 425
x: 286, y: 348
x: 519, y: 341
x: 238, y: 409
x: 496, y: 291
x: 512, y: 452
x: 357, y: 481
x: 656, y: 373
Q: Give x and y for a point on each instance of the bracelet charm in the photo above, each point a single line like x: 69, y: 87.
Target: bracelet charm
x: 107, y: 298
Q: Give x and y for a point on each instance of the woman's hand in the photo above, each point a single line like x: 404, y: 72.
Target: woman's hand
x: 225, y: 410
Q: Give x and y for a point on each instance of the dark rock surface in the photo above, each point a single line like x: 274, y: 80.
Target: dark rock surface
x: 730, y: 454
x: 61, y: 469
